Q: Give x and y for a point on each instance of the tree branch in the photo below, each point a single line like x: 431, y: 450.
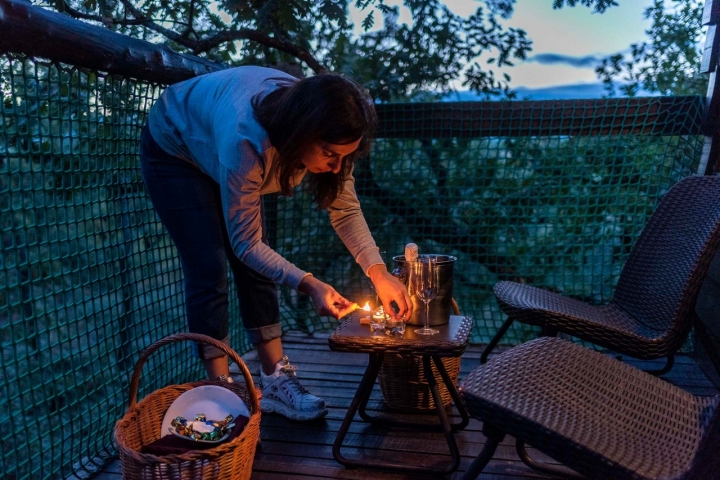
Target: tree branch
x: 191, y: 20
x: 148, y: 23
x: 98, y: 18
x: 255, y: 36
x: 200, y: 46
x: 40, y: 32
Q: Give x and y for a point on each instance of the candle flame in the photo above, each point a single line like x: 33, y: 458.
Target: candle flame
x: 366, y: 307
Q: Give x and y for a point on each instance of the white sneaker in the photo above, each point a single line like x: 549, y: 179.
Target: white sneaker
x: 283, y: 394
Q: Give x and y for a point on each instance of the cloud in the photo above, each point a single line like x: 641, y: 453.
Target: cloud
x: 588, y: 61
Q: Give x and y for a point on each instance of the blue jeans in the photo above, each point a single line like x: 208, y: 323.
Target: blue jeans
x: 188, y: 202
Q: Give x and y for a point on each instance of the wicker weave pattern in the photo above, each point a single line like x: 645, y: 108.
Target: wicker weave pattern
x: 140, y: 426
x: 403, y: 384
x: 651, y: 313
x: 599, y: 416
x: 605, y: 325
x: 669, y: 260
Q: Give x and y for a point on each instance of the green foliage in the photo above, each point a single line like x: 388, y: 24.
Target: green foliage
x: 555, y: 212
x: 88, y: 277
x: 397, y: 61
x: 600, y: 5
x: 420, y: 61
x: 667, y: 63
x: 83, y: 265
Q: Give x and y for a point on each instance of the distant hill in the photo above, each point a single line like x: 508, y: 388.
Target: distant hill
x: 559, y: 92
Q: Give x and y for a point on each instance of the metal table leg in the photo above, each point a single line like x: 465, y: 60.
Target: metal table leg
x: 361, y: 397
x: 388, y: 420
x: 447, y: 429
x: 459, y: 404
x: 360, y: 402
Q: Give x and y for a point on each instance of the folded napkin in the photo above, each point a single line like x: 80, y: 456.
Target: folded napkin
x: 172, y: 444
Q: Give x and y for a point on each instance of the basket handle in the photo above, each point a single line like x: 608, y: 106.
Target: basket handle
x: 193, y: 337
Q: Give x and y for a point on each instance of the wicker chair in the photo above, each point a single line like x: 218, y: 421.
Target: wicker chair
x: 598, y: 416
x: 653, y: 307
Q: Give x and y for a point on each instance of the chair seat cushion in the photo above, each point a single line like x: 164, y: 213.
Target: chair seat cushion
x: 593, y: 413
x: 606, y: 325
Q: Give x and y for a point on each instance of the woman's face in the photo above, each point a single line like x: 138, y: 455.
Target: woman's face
x: 327, y: 157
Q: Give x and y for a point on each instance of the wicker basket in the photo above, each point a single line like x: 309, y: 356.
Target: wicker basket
x: 403, y: 384
x: 141, y: 423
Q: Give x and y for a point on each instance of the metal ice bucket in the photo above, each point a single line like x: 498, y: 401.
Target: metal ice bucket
x: 440, y: 307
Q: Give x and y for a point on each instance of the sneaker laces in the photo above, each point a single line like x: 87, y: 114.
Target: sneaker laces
x: 291, y: 372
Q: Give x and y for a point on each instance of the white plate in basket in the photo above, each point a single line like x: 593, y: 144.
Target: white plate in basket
x: 213, y: 401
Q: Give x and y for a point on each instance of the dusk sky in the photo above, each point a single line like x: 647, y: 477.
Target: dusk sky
x: 567, y: 43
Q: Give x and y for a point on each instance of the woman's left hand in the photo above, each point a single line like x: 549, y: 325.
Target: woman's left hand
x: 391, y: 290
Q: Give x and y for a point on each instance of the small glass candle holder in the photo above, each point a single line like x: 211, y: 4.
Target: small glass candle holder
x: 395, y: 324
x: 378, y: 319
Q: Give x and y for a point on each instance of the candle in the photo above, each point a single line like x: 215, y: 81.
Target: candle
x: 365, y: 319
x: 377, y: 322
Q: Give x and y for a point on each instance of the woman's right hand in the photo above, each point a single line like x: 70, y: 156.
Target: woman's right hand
x: 325, y: 299
x: 391, y: 291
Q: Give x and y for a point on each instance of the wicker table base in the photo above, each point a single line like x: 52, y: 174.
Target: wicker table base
x: 452, y: 340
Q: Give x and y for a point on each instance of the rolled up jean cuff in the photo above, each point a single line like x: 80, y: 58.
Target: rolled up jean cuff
x: 208, y: 352
x: 264, y: 334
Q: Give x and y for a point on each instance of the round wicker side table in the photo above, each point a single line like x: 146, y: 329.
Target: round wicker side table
x: 450, y: 342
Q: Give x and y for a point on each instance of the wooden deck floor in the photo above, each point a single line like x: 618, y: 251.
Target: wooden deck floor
x: 292, y: 450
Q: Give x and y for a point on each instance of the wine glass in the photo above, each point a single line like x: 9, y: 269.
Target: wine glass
x: 425, y: 286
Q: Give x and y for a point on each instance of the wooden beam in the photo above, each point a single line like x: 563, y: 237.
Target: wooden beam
x: 710, y: 51
x: 616, y: 116
x: 711, y: 12
x: 710, y: 160
x: 39, y: 32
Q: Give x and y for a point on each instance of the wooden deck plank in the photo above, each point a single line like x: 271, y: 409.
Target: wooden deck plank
x: 303, y: 450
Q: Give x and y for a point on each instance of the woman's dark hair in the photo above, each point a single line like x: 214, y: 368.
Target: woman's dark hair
x: 326, y: 108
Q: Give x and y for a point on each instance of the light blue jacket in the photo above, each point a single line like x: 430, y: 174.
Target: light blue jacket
x: 208, y: 120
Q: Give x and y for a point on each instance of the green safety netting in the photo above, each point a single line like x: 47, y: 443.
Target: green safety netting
x: 88, y: 278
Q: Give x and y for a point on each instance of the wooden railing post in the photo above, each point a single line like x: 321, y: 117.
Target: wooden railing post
x: 710, y: 162
x: 706, y: 338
